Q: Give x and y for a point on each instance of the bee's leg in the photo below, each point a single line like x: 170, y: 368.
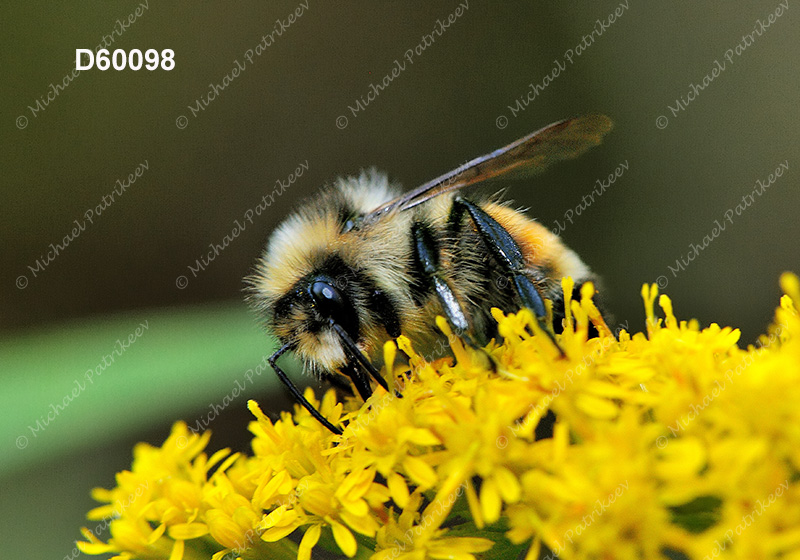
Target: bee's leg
x: 356, y: 355
x: 336, y: 380
x: 426, y: 250
x: 427, y: 253
x: 298, y: 396
x: 509, y: 255
x: 358, y: 378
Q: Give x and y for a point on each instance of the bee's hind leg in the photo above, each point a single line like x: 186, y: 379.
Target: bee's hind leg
x: 506, y: 251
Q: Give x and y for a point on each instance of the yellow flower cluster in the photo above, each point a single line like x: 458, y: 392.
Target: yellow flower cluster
x: 671, y: 443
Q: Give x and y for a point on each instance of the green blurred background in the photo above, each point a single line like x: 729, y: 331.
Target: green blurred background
x: 452, y: 103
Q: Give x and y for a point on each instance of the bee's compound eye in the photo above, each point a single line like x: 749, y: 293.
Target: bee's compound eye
x: 325, y: 295
x: 332, y: 304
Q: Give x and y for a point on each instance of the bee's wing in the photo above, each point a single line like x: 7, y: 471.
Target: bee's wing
x: 527, y: 156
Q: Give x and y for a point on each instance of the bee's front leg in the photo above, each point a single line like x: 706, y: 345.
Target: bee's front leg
x: 298, y: 396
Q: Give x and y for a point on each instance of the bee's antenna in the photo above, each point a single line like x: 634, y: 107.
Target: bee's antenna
x: 298, y: 396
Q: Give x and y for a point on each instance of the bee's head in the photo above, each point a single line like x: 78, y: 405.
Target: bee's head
x: 314, y: 275
x: 318, y: 309
x: 307, y: 315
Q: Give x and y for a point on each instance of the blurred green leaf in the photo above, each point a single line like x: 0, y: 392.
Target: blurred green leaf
x: 699, y: 514
x: 84, y: 383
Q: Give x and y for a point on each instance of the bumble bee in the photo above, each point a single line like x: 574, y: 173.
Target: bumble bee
x: 362, y: 263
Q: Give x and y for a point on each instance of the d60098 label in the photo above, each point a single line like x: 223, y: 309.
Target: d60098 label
x: 120, y: 60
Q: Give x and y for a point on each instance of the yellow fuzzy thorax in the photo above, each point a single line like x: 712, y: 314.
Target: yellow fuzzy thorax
x: 675, y: 440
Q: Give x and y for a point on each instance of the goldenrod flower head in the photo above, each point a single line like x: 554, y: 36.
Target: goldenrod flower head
x: 675, y: 441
